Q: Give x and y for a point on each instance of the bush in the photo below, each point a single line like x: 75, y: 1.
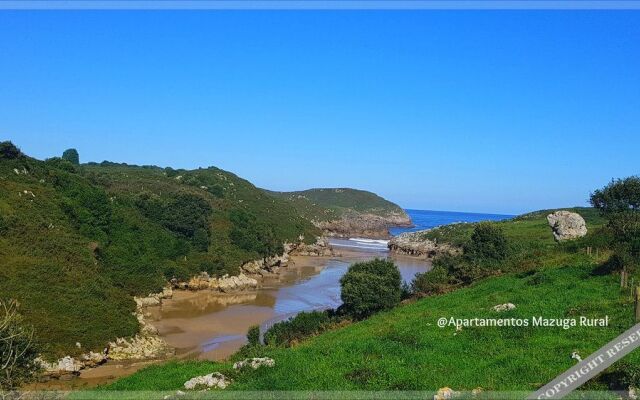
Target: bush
x: 370, y: 286
x: 488, y: 244
x: 18, y: 354
x: 297, y: 328
x: 253, y: 335
x: 436, y: 281
x: 72, y: 156
x: 9, y: 151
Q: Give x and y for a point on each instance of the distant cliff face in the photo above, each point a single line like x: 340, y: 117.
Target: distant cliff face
x: 343, y: 212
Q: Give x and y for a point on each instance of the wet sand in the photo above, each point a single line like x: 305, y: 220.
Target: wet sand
x: 212, y: 326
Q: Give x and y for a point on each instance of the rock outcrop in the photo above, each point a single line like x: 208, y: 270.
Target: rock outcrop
x: 355, y: 224
x: 567, y: 225
x: 320, y: 248
x: 416, y: 244
x: 224, y: 284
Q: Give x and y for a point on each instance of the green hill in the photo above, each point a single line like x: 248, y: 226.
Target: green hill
x: 347, y: 212
x: 404, y: 349
x: 78, y: 241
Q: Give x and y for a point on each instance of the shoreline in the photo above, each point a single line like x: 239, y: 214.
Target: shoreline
x: 210, y: 310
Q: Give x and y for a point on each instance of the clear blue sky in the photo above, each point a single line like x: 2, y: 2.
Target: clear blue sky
x: 487, y: 111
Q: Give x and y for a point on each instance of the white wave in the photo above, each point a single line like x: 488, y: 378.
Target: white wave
x: 363, y: 240
x: 359, y: 247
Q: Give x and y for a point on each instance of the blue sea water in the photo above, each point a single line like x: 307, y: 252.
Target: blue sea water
x: 426, y: 219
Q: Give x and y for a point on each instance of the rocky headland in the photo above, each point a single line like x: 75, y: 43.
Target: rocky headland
x: 418, y: 245
x: 366, y: 225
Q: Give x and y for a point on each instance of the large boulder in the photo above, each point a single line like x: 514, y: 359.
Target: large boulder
x: 567, y: 225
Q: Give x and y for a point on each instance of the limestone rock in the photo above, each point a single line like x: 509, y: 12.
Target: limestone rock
x: 255, y: 363
x: 213, y: 380
x: 139, y: 347
x: 416, y: 244
x: 504, y: 307
x: 567, y: 225
x: 445, y: 393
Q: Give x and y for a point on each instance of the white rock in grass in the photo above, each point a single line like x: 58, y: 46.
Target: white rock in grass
x: 504, y: 307
x: 255, y: 363
x: 213, y: 380
x: 445, y: 393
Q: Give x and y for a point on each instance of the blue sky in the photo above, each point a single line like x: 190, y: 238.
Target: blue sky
x: 485, y: 111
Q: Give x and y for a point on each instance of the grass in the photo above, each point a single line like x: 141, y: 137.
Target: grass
x: 404, y: 349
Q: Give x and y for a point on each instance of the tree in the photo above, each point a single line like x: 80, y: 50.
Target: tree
x: 619, y: 202
x: 72, y: 156
x: 18, y: 355
x: 488, y: 244
x: 371, y: 286
x: 9, y: 151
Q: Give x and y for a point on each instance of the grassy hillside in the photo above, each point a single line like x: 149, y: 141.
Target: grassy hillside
x: 331, y: 204
x: 78, y: 241
x: 404, y: 349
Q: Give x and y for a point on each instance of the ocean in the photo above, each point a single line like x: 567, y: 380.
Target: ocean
x: 422, y: 219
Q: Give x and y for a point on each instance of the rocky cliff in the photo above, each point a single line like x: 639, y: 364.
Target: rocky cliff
x: 342, y: 212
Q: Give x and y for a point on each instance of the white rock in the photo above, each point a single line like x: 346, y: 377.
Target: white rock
x: 504, y: 307
x: 566, y: 225
x: 255, y: 363
x: 213, y: 380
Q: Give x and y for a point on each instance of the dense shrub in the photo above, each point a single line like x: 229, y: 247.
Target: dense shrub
x: 297, y: 328
x: 72, y: 156
x: 432, y: 282
x: 185, y: 214
x: 250, y: 234
x: 371, y: 286
x: 18, y: 353
x: 253, y: 335
x: 488, y: 244
x: 9, y: 151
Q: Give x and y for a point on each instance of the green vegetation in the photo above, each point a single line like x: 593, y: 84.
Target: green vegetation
x: 302, y: 326
x: 404, y: 349
x: 619, y: 202
x: 331, y: 204
x: 369, y: 287
x: 78, y: 241
x: 17, y: 350
x: 72, y: 156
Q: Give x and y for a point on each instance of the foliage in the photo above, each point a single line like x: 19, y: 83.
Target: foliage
x: 253, y: 335
x: 488, y: 244
x: 18, y: 352
x: 250, y: 234
x: 9, y: 151
x: 371, y: 286
x: 303, y: 325
x: 77, y: 241
x: 619, y: 202
x: 72, y: 156
x: 432, y: 282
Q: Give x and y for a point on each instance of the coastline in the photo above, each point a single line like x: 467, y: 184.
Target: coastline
x: 168, y: 317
